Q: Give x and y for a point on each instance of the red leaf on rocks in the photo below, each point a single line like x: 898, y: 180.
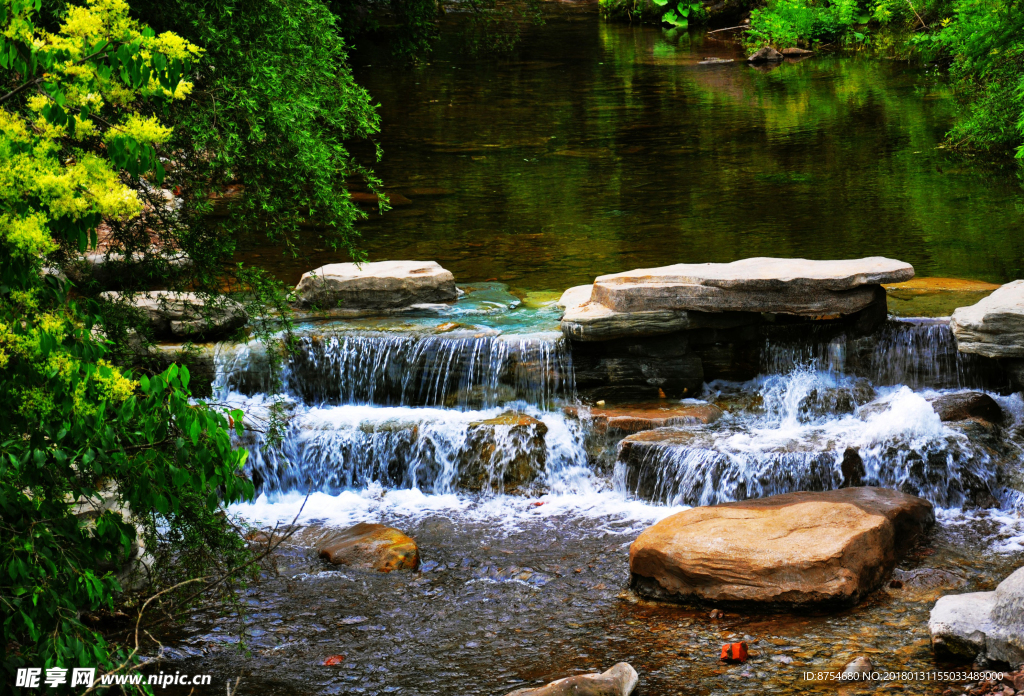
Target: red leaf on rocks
x: 334, y: 660
x: 734, y: 652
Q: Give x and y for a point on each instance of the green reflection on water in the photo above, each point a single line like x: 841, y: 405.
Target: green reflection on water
x: 606, y: 147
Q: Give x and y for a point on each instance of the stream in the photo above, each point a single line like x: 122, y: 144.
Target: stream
x: 601, y: 148
x: 524, y: 514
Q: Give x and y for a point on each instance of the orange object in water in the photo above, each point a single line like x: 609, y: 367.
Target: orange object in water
x: 334, y: 660
x: 734, y: 652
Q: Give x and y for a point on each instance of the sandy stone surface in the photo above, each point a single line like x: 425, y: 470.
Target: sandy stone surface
x: 993, y: 327
x: 803, y: 548
x: 380, y: 285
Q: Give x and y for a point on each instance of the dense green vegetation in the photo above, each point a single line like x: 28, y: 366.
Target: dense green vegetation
x: 105, y: 460
x: 93, y: 459
x: 980, y: 41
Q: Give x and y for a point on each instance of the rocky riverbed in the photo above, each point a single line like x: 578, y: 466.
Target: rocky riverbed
x: 873, y: 468
x: 510, y: 594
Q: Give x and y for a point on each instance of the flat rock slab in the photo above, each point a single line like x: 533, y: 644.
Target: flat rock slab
x: 181, y: 315
x: 586, y: 320
x: 371, y: 547
x: 634, y: 418
x: 807, y: 548
x: 982, y: 625
x: 993, y: 327
x: 379, y: 285
x: 783, y: 286
x: 620, y: 680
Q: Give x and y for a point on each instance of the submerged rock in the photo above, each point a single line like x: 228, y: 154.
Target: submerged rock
x: 620, y: 680
x: 371, y: 547
x: 365, y: 198
x: 185, y: 315
x: 982, y: 626
x: 786, y: 550
x: 858, y: 666
x: 964, y: 405
x: 993, y: 327
x: 926, y: 581
x: 376, y: 286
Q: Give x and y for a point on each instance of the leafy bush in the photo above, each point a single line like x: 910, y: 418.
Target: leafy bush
x: 985, y: 40
x: 785, y: 23
x: 77, y: 122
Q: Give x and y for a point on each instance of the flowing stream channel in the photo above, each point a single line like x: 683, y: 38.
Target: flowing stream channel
x: 600, y: 148
x: 472, y: 440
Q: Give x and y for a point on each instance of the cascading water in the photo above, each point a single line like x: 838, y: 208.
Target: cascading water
x: 453, y: 371
x: 918, y: 353
x: 480, y: 411
x: 814, y: 431
x: 438, y: 413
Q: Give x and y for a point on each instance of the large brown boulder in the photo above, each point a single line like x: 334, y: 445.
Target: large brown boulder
x: 803, y: 548
x: 372, y: 547
x: 620, y: 680
x: 376, y: 286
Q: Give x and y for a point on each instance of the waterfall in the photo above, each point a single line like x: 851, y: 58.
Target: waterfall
x: 816, y: 430
x: 480, y: 412
x: 918, y: 353
x: 402, y: 370
x: 439, y: 413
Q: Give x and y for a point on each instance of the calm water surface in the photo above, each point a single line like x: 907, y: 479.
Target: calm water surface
x: 603, y: 147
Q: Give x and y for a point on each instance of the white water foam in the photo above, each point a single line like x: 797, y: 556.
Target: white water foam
x: 1006, y: 528
x: 808, y: 427
x: 621, y: 515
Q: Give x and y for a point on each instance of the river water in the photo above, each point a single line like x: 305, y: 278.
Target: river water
x: 602, y: 148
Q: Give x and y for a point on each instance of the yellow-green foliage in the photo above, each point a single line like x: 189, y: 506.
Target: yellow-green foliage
x: 77, y: 135
x: 52, y: 182
x: 43, y: 175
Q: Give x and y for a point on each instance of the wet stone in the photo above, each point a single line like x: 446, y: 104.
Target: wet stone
x: 623, y: 419
x: 964, y: 405
x: 371, y: 547
x: 620, y: 680
x: 787, y: 550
